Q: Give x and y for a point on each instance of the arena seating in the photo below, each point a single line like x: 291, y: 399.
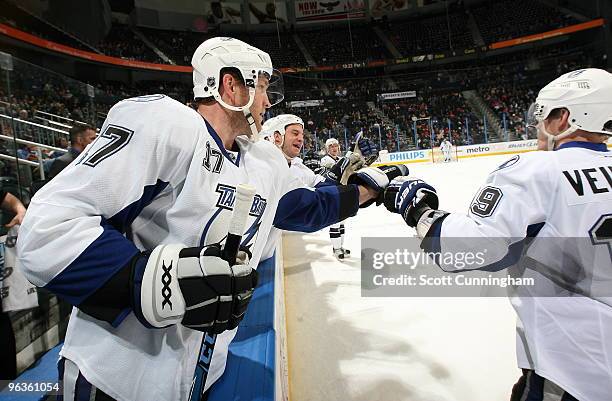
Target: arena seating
x: 122, y: 42
x: 502, y: 20
x: 332, y: 44
x: 287, y: 54
x: 507, y: 86
x: 17, y: 18
x: 430, y: 34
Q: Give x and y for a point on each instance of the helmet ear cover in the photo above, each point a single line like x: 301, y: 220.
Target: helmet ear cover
x: 535, y: 122
x: 234, y: 72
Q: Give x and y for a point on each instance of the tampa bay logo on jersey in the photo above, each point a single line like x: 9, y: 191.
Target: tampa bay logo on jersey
x: 215, y: 230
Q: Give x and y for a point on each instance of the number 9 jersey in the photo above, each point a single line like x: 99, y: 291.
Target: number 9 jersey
x: 548, y: 216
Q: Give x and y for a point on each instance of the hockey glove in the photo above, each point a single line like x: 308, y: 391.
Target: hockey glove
x: 194, y: 287
x: 368, y: 149
x: 315, y: 166
x: 410, y: 197
x: 377, y: 178
x: 344, y: 167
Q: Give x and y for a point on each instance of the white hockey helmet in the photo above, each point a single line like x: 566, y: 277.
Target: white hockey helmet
x: 330, y: 142
x: 218, y: 53
x: 585, y: 93
x: 279, y: 124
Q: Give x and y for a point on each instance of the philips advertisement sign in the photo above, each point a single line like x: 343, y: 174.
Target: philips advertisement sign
x: 411, y: 156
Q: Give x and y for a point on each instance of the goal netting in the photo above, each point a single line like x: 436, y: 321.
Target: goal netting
x: 438, y: 156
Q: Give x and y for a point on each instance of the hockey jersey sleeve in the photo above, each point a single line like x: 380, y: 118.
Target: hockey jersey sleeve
x: 511, y: 207
x: 311, y: 209
x: 72, y: 239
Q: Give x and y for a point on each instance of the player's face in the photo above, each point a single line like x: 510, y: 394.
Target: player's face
x: 261, y: 102
x: 294, y: 140
x: 334, y: 150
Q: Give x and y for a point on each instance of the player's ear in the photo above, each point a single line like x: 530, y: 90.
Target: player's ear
x: 228, y: 85
x: 278, y: 138
x: 565, y: 117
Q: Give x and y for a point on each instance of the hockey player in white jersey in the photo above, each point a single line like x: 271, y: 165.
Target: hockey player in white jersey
x: 336, y: 231
x: 446, y: 148
x: 548, y: 215
x: 131, y: 232
x: 332, y: 153
x: 286, y: 131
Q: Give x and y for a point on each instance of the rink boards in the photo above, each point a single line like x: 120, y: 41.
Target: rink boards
x: 464, y: 152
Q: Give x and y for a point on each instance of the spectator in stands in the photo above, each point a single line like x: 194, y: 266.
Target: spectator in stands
x: 10, y: 203
x: 63, y: 143
x: 80, y: 137
x: 8, y: 350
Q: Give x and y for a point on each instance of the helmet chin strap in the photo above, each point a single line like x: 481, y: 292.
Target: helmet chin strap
x: 246, y: 110
x: 551, y: 139
x: 251, y: 121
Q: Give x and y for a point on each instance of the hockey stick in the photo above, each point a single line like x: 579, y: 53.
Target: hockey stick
x: 242, y: 206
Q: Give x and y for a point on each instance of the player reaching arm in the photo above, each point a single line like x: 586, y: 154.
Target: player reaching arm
x: 132, y: 233
x: 547, y: 214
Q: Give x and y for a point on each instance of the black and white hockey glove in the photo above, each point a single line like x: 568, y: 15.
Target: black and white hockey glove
x: 377, y: 178
x: 194, y: 287
x: 415, y: 200
x: 344, y: 168
x: 315, y: 166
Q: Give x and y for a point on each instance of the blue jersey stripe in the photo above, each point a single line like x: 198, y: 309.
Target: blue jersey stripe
x: 101, y: 260
x: 306, y: 210
x: 106, y: 255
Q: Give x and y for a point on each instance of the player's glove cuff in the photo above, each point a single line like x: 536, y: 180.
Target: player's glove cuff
x: 427, y: 220
x: 410, y: 197
x: 371, y: 177
x: 192, y: 286
x: 377, y: 178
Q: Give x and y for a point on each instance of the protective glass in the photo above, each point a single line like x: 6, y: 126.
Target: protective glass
x: 276, y: 88
x: 532, y: 121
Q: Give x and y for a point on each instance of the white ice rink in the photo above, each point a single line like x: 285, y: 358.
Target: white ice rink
x: 345, y: 347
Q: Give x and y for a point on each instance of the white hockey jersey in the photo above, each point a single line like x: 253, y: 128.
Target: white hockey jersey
x: 445, y: 146
x: 549, y: 215
x: 328, y: 162
x: 157, y: 174
x: 300, y: 176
